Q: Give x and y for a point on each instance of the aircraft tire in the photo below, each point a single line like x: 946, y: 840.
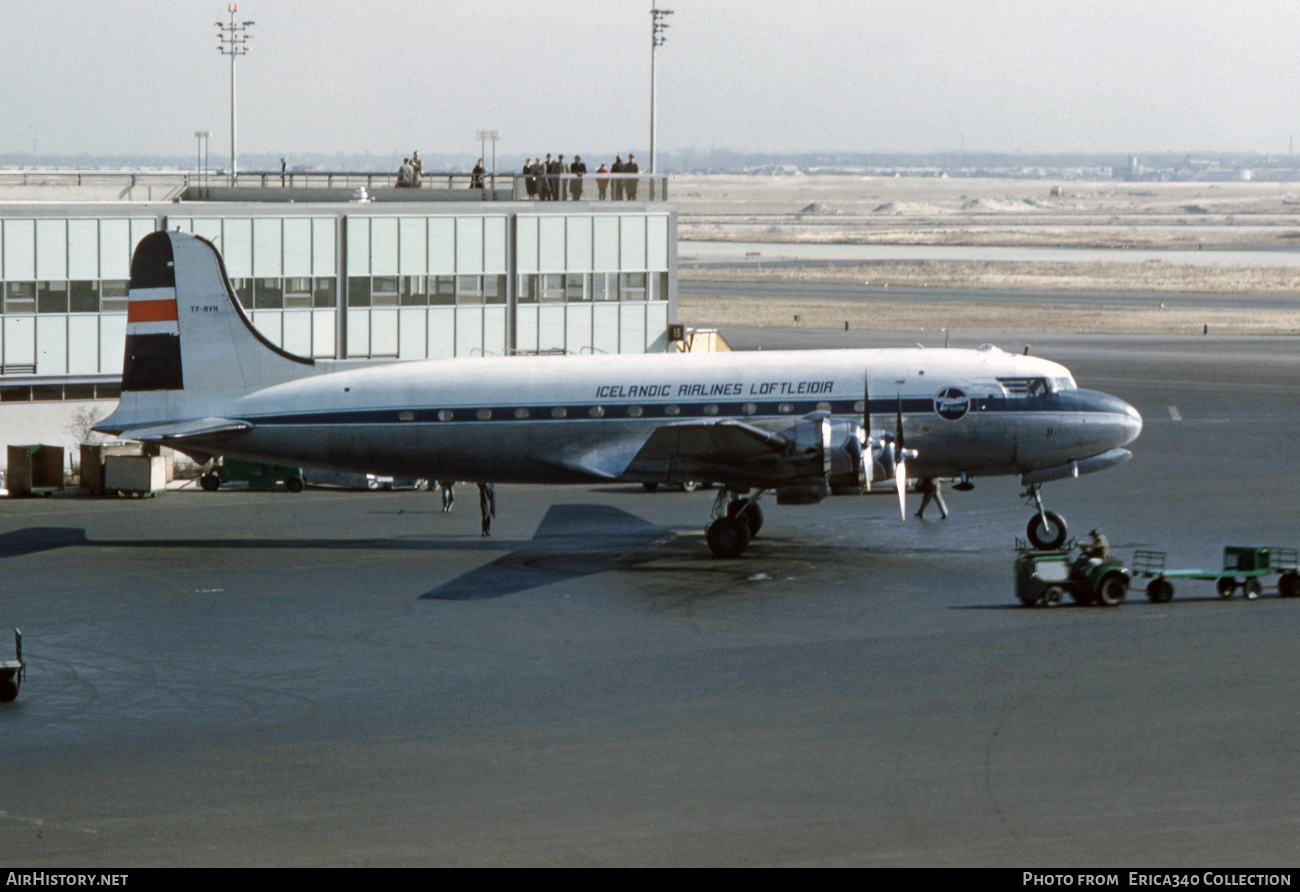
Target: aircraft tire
x: 1160, y: 590
x: 753, y: 515
x: 1050, y: 537
x: 210, y: 482
x: 728, y: 537
x: 1112, y: 590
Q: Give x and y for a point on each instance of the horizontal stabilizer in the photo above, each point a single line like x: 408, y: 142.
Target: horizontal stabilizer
x: 182, y: 430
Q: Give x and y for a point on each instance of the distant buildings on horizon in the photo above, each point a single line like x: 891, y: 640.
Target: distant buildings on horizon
x: 1157, y: 166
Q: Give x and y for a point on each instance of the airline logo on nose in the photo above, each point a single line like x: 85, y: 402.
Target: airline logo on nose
x: 951, y: 403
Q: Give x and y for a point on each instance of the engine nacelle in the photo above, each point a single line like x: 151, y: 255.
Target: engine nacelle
x: 849, y: 464
x: 832, y: 457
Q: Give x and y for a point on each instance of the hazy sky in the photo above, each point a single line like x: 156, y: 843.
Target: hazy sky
x: 140, y: 76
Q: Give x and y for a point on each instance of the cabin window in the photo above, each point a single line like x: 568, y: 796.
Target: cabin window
x: 521, y: 413
x: 559, y: 412
x: 785, y: 408
x: 634, y: 412
x: 672, y: 410
x: 710, y: 409
x: 483, y: 414
x: 596, y: 411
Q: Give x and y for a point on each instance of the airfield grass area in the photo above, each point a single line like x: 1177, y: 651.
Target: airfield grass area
x: 987, y: 211
x: 1260, y: 216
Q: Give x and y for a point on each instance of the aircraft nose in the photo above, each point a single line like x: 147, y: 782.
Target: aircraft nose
x: 1132, y: 423
x: 1116, y: 423
x: 1122, y: 422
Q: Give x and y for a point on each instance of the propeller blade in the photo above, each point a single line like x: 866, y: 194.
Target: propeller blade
x: 867, y: 458
x: 899, y: 441
x: 900, y: 464
x: 900, y: 482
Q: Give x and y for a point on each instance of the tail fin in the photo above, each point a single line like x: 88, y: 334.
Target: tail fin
x: 189, y: 345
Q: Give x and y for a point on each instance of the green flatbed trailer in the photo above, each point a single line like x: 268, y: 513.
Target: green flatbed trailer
x: 257, y: 475
x: 1245, y: 567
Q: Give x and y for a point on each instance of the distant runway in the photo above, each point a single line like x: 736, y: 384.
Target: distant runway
x: 707, y: 252
x: 1006, y: 296
x: 355, y: 678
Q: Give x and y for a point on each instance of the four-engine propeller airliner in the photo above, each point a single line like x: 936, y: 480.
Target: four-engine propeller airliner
x: 199, y: 377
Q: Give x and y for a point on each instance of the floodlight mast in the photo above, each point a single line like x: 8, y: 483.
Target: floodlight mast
x: 657, y: 39
x: 234, y: 39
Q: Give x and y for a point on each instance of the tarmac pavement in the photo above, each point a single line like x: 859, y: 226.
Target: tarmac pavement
x: 339, y: 678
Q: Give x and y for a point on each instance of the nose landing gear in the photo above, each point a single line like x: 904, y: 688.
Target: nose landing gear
x: 1046, y: 529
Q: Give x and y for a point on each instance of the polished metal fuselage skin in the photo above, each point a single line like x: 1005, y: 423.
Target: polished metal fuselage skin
x: 496, y: 419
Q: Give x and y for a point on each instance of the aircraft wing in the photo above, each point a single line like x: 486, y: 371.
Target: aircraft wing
x: 722, y: 450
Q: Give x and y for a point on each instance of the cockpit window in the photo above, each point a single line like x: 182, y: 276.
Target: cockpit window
x: 1028, y: 387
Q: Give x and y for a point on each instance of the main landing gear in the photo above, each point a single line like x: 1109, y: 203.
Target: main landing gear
x: 737, y: 518
x: 1046, y: 529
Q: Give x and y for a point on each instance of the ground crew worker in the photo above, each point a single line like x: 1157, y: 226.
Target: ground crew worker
x: 931, y: 490
x: 487, y: 503
x: 1098, y: 546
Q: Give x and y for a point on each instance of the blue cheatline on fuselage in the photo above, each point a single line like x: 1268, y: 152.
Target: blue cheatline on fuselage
x: 913, y: 409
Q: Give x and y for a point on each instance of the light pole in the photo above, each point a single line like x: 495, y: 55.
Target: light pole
x: 234, y: 39
x: 657, y: 39
x: 493, y: 135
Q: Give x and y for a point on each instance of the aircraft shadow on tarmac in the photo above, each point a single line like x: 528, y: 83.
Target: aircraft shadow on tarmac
x: 572, y: 541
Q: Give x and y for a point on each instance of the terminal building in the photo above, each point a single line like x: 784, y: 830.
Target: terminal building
x: 398, y: 275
